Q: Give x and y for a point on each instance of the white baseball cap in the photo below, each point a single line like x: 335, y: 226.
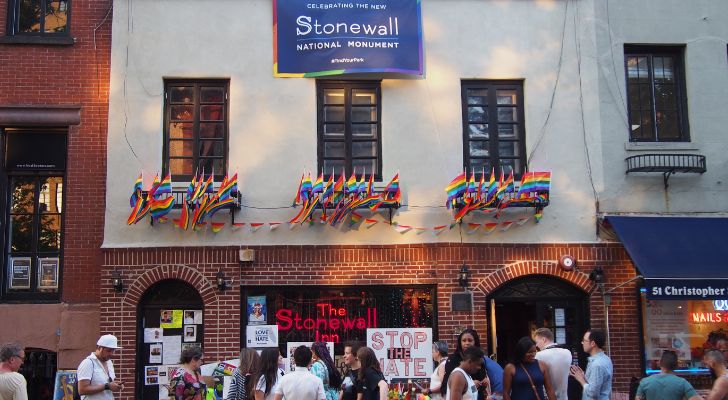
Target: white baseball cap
x: 108, y: 341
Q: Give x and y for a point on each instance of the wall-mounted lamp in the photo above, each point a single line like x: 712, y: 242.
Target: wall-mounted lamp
x: 464, y: 277
x: 221, y: 281
x: 116, y: 281
x: 597, y: 276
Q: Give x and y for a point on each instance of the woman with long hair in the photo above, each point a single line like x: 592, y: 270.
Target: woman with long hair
x: 467, y: 338
x: 323, y: 367
x: 373, y: 385
x: 241, y: 387
x: 439, y: 356
x: 186, y: 382
x: 267, y: 377
x: 526, y: 377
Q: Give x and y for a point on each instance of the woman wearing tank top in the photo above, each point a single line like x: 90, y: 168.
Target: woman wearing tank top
x: 526, y: 378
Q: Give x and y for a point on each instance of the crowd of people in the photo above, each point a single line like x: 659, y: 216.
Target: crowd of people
x: 539, y: 370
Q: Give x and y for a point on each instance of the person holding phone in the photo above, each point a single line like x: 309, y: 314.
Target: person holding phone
x: 96, y: 377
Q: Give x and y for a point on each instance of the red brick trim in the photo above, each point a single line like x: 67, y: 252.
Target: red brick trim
x: 517, y: 269
x: 175, y: 271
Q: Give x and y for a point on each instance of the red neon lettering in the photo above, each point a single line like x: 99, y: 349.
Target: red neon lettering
x: 327, y: 318
x: 284, y: 319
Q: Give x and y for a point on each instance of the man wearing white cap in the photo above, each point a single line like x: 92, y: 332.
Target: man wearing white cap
x: 96, y: 378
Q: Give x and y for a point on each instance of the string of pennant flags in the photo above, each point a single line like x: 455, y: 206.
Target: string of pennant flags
x: 329, y: 202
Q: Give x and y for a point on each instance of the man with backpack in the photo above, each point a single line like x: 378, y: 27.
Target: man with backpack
x: 96, y: 378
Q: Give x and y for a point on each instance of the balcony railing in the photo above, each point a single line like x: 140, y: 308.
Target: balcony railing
x: 667, y: 164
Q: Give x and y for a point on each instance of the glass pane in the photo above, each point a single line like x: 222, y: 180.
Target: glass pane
x: 56, y: 15
x: 665, y: 97
x: 181, y: 166
x: 212, y: 113
x: 49, y: 237
x: 363, y: 96
x: 335, y: 149
x: 181, y: 113
x: 508, y: 149
x: 51, y: 193
x: 29, y: 16
x: 507, y: 114
x: 180, y: 130
x: 668, y: 127
x: 23, y: 195
x: 645, y: 97
x: 367, y: 166
x: 212, y: 164
x: 212, y: 130
x: 663, y: 69
x: 478, y: 131
x: 363, y: 114
x: 182, y: 94
x: 364, y: 131
x: 364, y: 149
x: 508, y: 131
x: 212, y: 148
x: 479, y: 148
x: 212, y: 95
x: 333, y: 165
x: 642, y: 73
x: 477, y: 114
x: 479, y: 165
x: 334, y: 130
x: 21, y: 233
x: 181, y: 148
x: 512, y: 164
x: 477, y: 96
x: 506, y: 96
x: 634, y: 96
x: 334, y: 96
x: 334, y: 114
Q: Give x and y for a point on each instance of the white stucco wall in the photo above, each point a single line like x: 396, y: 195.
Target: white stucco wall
x: 272, y: 121
x: 702, y: 27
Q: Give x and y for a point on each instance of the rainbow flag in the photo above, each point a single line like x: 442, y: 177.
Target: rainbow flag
x: 338, y: 188
x: 501, y: 187
x: 298, y: 198
x: 482, y: 189
x: 351, y: 185
x: 328, y: 190
x: 216, y: 204
x: 455, y: 189
x: 138, y: 207
x: 216, y: 226
x: 472, y: 188
x: 362, y: 188
x: 165, y: 187
x: 199, y: 190
x: 393, y: 185
x: 184, y: 217
x: 492, y: 186
x: 370, y: 186
x: 228, y: 187
x: 191, y: 188
x: 509, y: 183
x: 136, y: 192
x: 355, y: 219
x: 318, y: 186
x: 306, y: 188
x: 535, y: 182
x: 160, y: 208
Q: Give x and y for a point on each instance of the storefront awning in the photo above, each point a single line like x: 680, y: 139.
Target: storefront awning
x: 679, y: 257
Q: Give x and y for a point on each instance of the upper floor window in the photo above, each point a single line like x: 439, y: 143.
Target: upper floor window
x: 656, y: 94
x: 349, y: 127
x: 493, y: 128
x: 196, y: 128
x: 38, y: 17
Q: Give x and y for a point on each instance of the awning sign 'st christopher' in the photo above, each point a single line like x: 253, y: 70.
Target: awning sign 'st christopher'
x: 327, y: 37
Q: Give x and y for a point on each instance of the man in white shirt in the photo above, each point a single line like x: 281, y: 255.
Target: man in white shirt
x: 301, y: 384
x: 557, y: 360
x: 12, y: 384
x: 96, y: 378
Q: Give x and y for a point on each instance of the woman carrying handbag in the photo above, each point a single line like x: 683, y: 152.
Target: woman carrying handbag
x: 526, y: 378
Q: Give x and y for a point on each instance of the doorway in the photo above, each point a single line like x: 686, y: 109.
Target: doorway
x: 524, y: 304
x: 169, y: 319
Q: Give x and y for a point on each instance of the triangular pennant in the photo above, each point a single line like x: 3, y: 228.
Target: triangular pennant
x: 489, y: 227
x: 439, y: 229
x: 402, y: 228
x: 523, y: 220
x: 273, y: 225
x: 472, y: 228
x: 537, y: 217
x: 217, y: 226
x: 505, y: 225
x: 292, y: 225
x: 237, y: 225
x: 370, y: 222
x: 254, y: 226
x: 420, y: 230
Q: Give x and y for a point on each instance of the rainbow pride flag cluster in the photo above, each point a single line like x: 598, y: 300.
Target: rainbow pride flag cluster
x: 201, y: 201
x: 465, y: 196
x: 338, y: 199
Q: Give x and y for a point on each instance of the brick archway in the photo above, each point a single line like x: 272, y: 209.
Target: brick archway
x: 174, y: 271
x: 517, y: 269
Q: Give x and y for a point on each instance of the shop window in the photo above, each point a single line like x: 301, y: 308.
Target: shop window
x: 42, y: 20
x: 337, y: 315
x: 196, y: 128
x: 656, y: 94
x: 35, y: 211
x: 688, y: 327
x: 349, y: 128
x: 493, y: 127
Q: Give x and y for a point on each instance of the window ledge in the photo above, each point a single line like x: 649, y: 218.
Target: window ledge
x: 43, y: 40
x: 660, y: 146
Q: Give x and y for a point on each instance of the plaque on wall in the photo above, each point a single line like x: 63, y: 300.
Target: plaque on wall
x: 461, y: 301
x: 48, y: 273
x: 19, y: 273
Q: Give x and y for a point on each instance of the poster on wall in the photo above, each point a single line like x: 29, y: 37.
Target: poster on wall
x: 20, y: 273
x: 190, y: 333
x: 155, y: 353
x: 334, y: 38
x: 151, y: 375
x: 257, y: 310
x: 404, y: 353
x: 666, y: 328
x: 65, y: 384
x: 292, y: 346
x: 153, y: 335
x: 48, y: 272
x: 262, y: 335
x: 170, y: 319
x: 193, y: 317
x: 172, y: 346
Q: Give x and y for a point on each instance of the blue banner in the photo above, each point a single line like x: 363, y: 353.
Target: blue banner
x: 326, y: 37
x: 686, y: 289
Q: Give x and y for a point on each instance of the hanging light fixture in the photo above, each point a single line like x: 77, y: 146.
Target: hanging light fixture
x: 464, y: 277
x: 116, y: 281
x: 221, y: 280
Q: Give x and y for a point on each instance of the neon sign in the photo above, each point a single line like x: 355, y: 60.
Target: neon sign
x: 700, y: 317
x: 327, y: 323
x: 720, y: 305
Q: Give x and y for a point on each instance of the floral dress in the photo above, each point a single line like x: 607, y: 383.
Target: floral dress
x: 319, y: 369
x: 185, y: 386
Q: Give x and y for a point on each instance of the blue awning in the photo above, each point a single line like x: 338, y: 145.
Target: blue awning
x: 685, y: 257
